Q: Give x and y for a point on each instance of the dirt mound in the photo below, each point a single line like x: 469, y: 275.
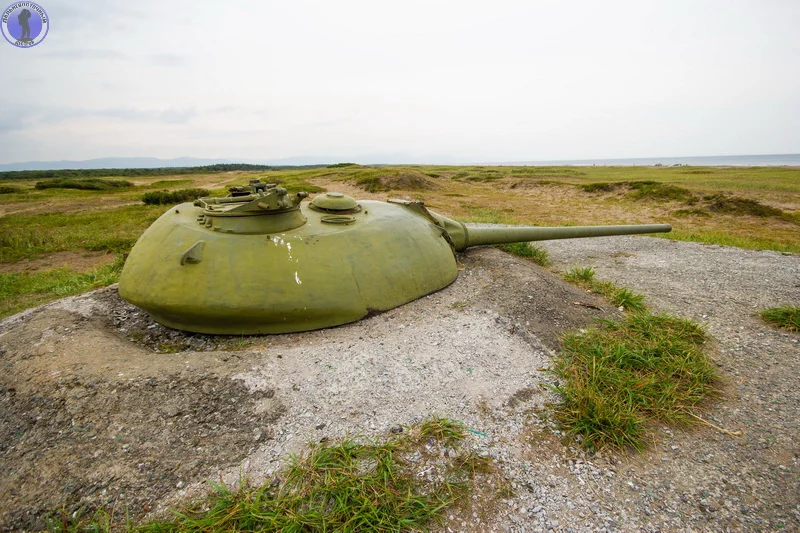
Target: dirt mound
x: 395, y: 181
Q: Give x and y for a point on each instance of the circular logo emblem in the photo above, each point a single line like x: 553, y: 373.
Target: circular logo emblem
x: 25, y: 24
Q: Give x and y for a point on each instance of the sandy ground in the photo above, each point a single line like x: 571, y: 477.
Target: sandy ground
x: 102, y: 406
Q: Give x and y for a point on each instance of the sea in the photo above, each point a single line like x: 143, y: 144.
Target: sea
x: 764, y: 160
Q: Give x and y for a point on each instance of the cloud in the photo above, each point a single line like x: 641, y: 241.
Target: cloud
x: 93, y: 13
x: 166, y: 60
x: 169, y: 115
x: 15, y: 120
x: 81, y: 54
x: 233, y: 109
x: 11, y: 120
x: 325, y: 123
x: 176, y: 116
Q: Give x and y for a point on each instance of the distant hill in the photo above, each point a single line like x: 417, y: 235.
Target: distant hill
x: 113, y: 162
x: 390, y: 158
x: 68, y: 173
x: 154, y: 162
x: 376, y: 158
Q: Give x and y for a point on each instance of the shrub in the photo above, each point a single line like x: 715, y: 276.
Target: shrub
x: 160, y: 184
x: 173, y: 197
x: 599, y: 187
x: 734, y: 205
x: 392, y: 180
x: 653, y: 190
x: 88, y: 184
x: 645, y: 190
x: 690, y: 212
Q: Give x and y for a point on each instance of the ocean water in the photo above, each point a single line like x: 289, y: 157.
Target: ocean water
x: 767, y: 160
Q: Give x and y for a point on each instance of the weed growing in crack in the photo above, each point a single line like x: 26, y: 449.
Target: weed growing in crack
x: 786, y: 317
x: 526, y: 250
x: 619, y: 296
x: 580, y: 275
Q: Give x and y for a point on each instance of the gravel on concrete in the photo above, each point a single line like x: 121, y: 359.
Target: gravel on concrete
x: 476, y: 352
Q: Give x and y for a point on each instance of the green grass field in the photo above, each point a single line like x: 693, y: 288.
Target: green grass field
x: 748, y: 207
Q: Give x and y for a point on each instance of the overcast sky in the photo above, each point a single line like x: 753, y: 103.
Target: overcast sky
x: 425, y: 81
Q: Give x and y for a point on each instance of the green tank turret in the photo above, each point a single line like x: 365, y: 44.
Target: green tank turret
x: 264, y: 261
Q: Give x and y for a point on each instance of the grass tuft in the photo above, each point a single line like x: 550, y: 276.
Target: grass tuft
x: 442, y: 430
x: 526, y: 250
x: 616, y: 377
x: 577, y: 274
x: 786, y: 317
x: 619, y: 296
x: 8, y: 189
x: 625, y: 298
x: 81, y: 521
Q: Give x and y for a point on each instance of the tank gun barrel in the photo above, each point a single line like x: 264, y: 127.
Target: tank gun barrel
x: 478, y: 235
x: 465, y: 236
